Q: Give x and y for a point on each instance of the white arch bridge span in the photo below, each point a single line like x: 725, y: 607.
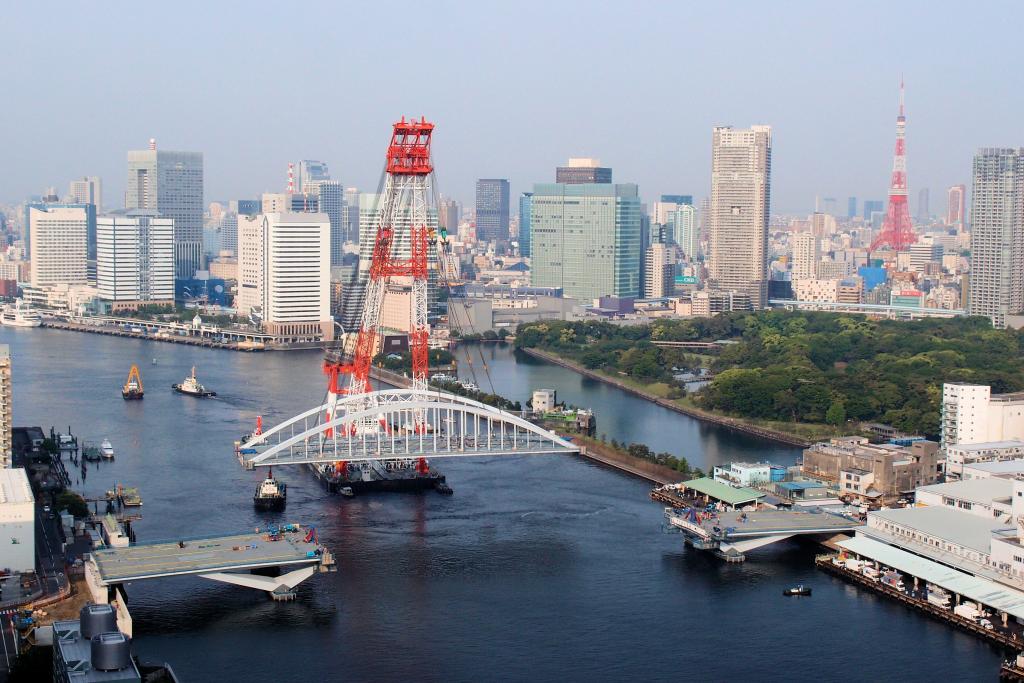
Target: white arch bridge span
x: 398, y: 424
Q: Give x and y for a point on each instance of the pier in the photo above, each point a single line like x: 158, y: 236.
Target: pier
x: 228, y: 559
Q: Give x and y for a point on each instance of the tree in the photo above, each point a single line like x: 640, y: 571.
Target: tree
x: 73, y: 503
x: 836, y: 414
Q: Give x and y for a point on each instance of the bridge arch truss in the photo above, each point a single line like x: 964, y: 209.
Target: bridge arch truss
x: 408, y: 424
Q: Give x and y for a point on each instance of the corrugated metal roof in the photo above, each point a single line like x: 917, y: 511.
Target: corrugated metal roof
x: 974, y: 588
x: 956, y: 527
x: 982, y: 491
x: 723, y: 492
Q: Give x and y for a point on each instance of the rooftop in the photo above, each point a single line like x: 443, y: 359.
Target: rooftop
x: 998, y: 467
x: 975, y: 588
x: 731, y: 495
x: 987, y: 445
x: 982, y: 491
x: 14, y: 487
x: 76, y: 652
x: 959, y: 528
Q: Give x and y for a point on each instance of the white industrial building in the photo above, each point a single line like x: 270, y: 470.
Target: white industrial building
x: 17, y: 522
x: 997, y: 468
x: 961, y: 456
x: 972, y: 414
x: 284, y: 274
x: 135, y: 257
x: 986, y: 498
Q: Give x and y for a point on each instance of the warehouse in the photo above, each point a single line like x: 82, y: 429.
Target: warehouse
x: 17, y: 522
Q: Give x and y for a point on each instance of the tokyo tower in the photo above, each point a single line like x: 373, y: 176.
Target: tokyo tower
x: 897, y: 232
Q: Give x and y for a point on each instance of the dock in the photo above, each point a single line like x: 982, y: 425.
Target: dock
x: 252, y: 560
x: 731, y: 534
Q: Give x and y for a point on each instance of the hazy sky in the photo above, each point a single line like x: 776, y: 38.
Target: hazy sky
x: 514, y: 88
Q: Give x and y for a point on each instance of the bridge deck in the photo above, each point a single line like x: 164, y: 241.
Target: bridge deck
x: 199, y: 556
x: 766, y: 523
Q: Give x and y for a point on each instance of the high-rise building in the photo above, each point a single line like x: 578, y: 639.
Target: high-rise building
x: 350, y: 214
x: 245, y: 207
x: 806, y: 254
x: 310, y: 171
x: 871, y: 207
x: 923, y: 214
x: 135, y: 257
x: 851, y: 207
x: 284, y: 274
x: 59, y: 239
x: 684, y: 231
x: 88, y: 190
x: 171, y: 183
x: 448, y: 215
x: 741, y: 165
x: 492, y: 209
x: 330, y: 200
x: 829, y: 205
x: 525, y: 207
x: 50, y: 202
x: 678, y: 199
x: 583, y: 170
x: 586, y: 239
x: 669, y: 203
x: 229, y: 232
x: 6, y: 406
x: 997, y: 234
x: 956, y: 199
x: 659, y: 267
x: 924, y: 251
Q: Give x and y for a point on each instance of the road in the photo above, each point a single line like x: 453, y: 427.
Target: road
x: 49, y: 553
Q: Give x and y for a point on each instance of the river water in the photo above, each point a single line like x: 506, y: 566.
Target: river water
x: 538, y: 568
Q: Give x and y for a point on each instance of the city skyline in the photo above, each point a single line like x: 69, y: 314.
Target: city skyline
x: 853, y: 102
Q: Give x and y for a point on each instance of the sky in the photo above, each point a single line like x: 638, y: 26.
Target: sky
x: 515, y: 88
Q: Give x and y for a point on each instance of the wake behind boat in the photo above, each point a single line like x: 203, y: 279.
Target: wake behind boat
x: 192, y: 387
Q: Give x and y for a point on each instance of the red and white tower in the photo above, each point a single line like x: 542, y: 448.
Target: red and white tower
x: 897, y: 231
x: 402, y: 228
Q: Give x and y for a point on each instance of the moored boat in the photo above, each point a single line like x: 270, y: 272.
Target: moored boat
x: 192, y: 387
x: 107, y: 449
x: 20, y: 315
x: 797, y: 590
x: 90, y: 452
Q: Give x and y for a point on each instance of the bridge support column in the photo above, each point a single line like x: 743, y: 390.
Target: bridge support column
x: 279, y: 587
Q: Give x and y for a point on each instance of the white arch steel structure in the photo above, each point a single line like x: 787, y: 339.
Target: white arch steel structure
x: 409, y: 424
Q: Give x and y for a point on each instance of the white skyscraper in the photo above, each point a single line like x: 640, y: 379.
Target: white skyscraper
x: 135, y: 257
x: 59, y: 239
x: 997, y: 235
x: 741, y: 162
x: 284, y: 272
x: 806, y: 254
x: 684, y: 230
x: 6, y: 403
x: 171, y: 183
x: 88, y: 190
x: 658, y: 271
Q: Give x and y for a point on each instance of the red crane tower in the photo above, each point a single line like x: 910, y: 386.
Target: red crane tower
x: 897, y: 231
x: 401, y: 226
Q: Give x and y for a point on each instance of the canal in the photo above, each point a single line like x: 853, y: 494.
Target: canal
x: 539, y: 568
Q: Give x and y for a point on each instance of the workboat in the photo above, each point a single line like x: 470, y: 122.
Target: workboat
x: 20, y: 315
x: 797, y: 590
x: 271, y: 494
x: 192, y: 387
x: 132, y: 389
x: 107, y: 449
x: 90, y: 452
x: 346, y: 491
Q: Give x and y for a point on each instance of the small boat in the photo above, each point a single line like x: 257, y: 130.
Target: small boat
x: 443, y: 488
x: 192, y: 387
x: 271, y: 494
x: 346, y: 491
x: 797, y: 590
x: 20, y: 315
x: 107, y: 449
x: 129, y: 495
x: 91, y: 453
x: 154, y: 361
x: 132, y: 389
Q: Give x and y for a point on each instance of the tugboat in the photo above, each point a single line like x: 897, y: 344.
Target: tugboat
x: 107, y: 449
x: 797, y: 590
x: 271, y: 494
x: 192, y: 387
x: 132, y: 389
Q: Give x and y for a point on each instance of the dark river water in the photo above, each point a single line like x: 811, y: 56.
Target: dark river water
x: 538, y: 568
